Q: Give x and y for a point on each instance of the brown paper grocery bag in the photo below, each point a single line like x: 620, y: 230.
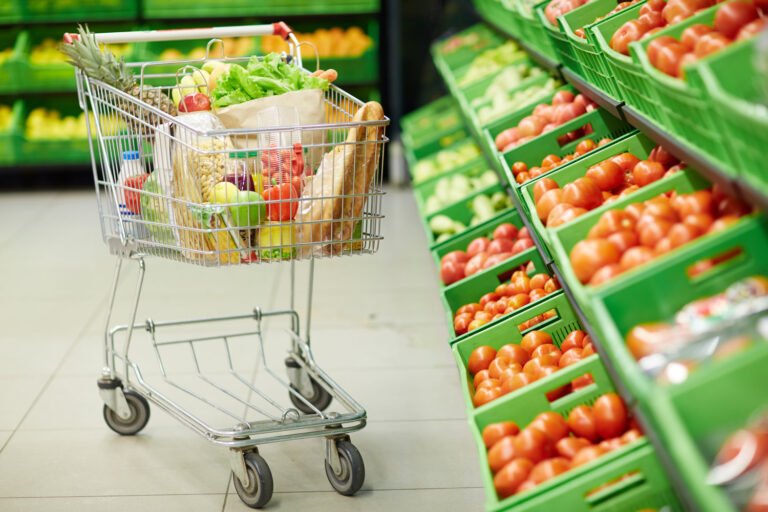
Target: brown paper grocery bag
x: 309, y: 105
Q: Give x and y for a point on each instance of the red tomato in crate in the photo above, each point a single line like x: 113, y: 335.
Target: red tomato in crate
x: 477, y: 246
x: 533, y: 444
x: 480, y: 358
x: 732, y: 16
x: 450, y: 272
x: 511, y: 477
x: 548, y: 469
x: 493, y: 432
x: 610, y: 415
x: 505, y: 231
x: 581, y: 421
x: 501, y: 453
x: 568, y: 447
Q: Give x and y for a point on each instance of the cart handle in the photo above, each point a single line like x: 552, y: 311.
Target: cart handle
x: 279, y: 28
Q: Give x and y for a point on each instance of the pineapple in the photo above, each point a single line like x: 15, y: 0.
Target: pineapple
x: 101, y: 64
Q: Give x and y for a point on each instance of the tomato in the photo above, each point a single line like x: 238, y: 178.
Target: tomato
x: 507, y: 137
x: 651, y: 20
x: 505, y: 231
x: 552, y: 285
x: 710, y: 43
x: 550, y: 358
x: 516, y: 382
x: 605, y: 273
x: 547, y: 201
x: 658, y: 208
x: 489, y: 383
x: 631, y: 436
x: 485, y: 395
x: 488, y: 297
x: 565, y: 113
x: 469, y: 308
x: 530, y: 126
x: 501, y: 452
x: 677, y: 10
x: 624, y: 239
x: 493, y: 432
x: 662, y: 156
x: 691, y: 35
x: 522, y: 177
x: 475, y: 264
x: 568, y: 447
x: 681, y: 234
x: 630, y: 31
x: 497, y: 366
x: 575, y: 339
x: 581, y: 421
x: 636, y: 256
x: 547, y: 348
x: 670, y: 57
x: 646, y: 172
x: 521, y: 284
x: 534, y: 339
x: 635, y: 210
x: 652, y: 51
x: 586, y: 455
x: 511, y: 477
x: 625, y: 161
x: 562, y: 214
x: 450, y: 272
x: 477, y: 246
x: 533, y: 368
x: 653, y: 231
x: 461, y: 323
x: 584, y: 380
x: 542, y: 186
x: 544, y: 111
x: 587, y: 256
x: 533, y: 444
x: 732, y: 16
x: 522, y: 244
x: 552, y: 424
x: 723, y: 223
x: 500, y: 245
x: 607, y: 175
x: 455, y: 256
x: 611, y: 444
x: 515, y: 353
x: 612, y: 221
x: 585, y: 146
x: 548, y: 469
x: 571, y: 356
x: 513, y: 369
x: 751, y: 29
x: 538, y: 281
x: 282, y: 202
x: 480, y: 358
x: 610, y: 416
x: 480, y: 377
x: 583, y: 193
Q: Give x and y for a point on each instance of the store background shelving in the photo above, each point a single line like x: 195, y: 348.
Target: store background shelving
x: 669, y: 419
x: 25, y: 23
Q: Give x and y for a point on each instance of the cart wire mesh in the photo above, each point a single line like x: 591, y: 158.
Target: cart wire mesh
x: 184, y: 187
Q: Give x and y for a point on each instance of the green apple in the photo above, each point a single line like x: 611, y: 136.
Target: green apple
x: 252, y: 210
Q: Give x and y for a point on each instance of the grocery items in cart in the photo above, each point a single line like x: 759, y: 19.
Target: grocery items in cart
x: 187, y: 191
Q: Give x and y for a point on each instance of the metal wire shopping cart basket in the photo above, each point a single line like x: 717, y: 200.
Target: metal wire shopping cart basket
x: 183, y: 187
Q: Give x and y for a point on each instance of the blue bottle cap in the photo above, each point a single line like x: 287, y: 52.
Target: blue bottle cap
x: 130, y: 155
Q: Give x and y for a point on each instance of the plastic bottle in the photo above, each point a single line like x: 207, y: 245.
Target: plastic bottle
x: 130, y: 166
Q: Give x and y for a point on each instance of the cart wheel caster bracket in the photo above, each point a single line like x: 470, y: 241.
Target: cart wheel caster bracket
x: 252, y: 478
x: 136, y: 418
x: 344, y: 465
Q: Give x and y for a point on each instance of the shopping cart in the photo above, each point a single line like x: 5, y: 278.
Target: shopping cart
x: 176, y: 209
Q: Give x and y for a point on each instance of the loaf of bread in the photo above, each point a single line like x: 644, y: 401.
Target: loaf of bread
x: 333, y: 200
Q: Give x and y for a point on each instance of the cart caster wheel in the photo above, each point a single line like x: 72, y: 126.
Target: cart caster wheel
x: 352, y: 474
x: 135, y: 422
x: 320, y: 398
x: 259, y: 490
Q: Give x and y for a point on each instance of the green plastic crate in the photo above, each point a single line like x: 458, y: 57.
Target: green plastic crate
x: 454, y: 78
x: 563, y: 51
x: 692, y: 417
x: 686, y: 109
x: 633, y: 83
x: 535, y: 34
x: 10, y: 137
x: 459, y: 211
x: 175, y: 9
x: 38, y: 11
x: 563, y: 239
x: 648, y: 487
x: 593, y: 64
x: 469, y: 290
x: 10, y: 11
x: 51, y: 151
x: 461, y: 241
x: 423, y: 192
x: 15, y: 41
x: 603, y: 125
x: 533, y: 396
x: 736, y: 98
x: 636, y: 143
x: 440, y: 114
x: 435, y: 156
x: 424, y: 147
x: 477, y: 38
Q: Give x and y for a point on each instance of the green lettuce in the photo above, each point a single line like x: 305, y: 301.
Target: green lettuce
x: 269, y: 76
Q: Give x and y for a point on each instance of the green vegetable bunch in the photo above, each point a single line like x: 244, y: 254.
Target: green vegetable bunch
x: 268, y: 76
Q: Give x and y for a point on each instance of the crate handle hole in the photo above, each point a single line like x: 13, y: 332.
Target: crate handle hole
x: 702, y: 269
x: 565, y: 390
x: 538, y: 321
x: 575, y: 135
x: 615, y: 488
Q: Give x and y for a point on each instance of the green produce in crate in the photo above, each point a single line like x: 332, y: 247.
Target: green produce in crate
x: 502, y: 104
x: 491, y: 61
x: 509, y: 78
x: 155, y: 210
x: 444, y: 160
x: 483, y: 207
x: 455, y: 188
x: 5, y: 117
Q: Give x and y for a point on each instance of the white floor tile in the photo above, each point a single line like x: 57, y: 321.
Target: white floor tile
x: 177, y: 503
x: 4, y: 436
x: 17, y: 394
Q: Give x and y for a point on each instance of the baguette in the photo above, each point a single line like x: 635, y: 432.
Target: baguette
x: 334, y: 198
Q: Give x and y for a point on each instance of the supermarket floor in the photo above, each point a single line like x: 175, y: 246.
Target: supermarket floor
x: 378, y: 328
